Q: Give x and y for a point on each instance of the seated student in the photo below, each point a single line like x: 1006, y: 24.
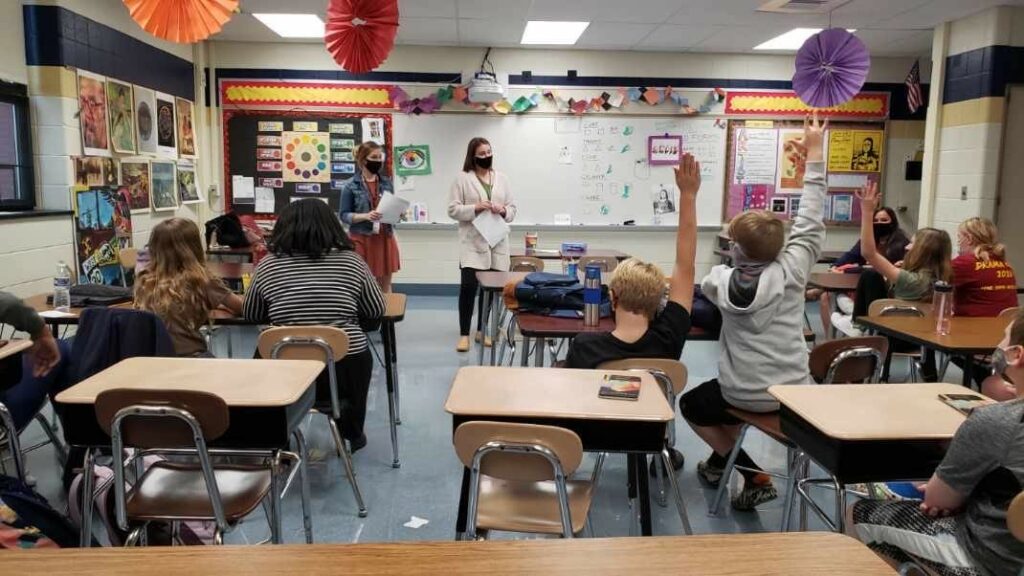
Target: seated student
x: 177, y: 286
x: 891, y: 241
x: 313, y: 276
x: 42, y: 364
x: 762, y: 338
x: 984, y: 283
x: 927, y: 261
x: 960, y: 526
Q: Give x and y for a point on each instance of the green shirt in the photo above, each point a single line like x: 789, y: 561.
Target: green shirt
x: 487, y: 187
x: 913, y: 286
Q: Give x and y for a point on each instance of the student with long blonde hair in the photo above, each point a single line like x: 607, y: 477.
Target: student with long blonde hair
x: 177, y: 286
x: 984, y: 283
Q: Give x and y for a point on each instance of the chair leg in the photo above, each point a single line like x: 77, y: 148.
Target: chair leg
x: 393, y: 417
x: 666, y: 461
x: 804, y: 472
x: 58, y: 444
x: 661, y: 497
x: 134, y: 536
x: 307, y: 519
x: 7, y: 421
x: 346, y: 459
x: 794, y: 462
x: 730, y: 464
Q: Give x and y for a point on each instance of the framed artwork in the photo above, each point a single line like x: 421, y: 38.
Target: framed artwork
x: 165, y: 131
x: 162, y: 176
x: 92, y: 114
x: 145, y: 120
x: 121, y: 108
x: 188, y: 189
x: 135, y: 179
x: 186, y: 128
x: 664, y: 150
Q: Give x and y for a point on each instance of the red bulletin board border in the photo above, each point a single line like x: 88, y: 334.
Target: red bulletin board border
x: 275, y: 93
x: 229, y: 114
x: 866, y: 105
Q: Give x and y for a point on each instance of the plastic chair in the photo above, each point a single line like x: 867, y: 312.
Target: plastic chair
x: 607, y: 263
x: 9, y: 434
x: 671, y: 375
x: 897, y: 307
x: 519, y: 478
x: 326, y: 344
x: 180, y: 424
x: 526, y: 264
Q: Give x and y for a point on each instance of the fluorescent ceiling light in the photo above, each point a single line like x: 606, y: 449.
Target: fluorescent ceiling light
x: 792, y: 40
x: 542, y: 32
x: 293, y: 25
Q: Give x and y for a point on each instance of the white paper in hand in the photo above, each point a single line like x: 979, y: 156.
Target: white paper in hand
x: 492, y: 227
x: 391, y: 208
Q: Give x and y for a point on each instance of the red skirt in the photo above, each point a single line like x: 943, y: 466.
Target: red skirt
x: 380, y: 252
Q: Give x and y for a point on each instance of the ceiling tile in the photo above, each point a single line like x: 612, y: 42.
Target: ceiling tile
x: 897, y: 42
x: 672, y: 37
x: 292, y: 6
x: 740, y: 38
x: 428, y: 31
x: 487, y: 32
x: 644, y: 11
x: 424, y: 8
x: 738, y: 13
x: 619, y: 35
x: 494, y: 9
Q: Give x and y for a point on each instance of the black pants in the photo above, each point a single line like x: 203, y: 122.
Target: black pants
x: 468, y: 288
x: 871, y: 286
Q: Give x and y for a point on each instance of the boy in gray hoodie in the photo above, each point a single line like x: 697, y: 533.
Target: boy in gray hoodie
x: 762, y: 303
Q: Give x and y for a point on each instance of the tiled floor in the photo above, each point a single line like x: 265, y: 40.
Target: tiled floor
x: 427, y: 484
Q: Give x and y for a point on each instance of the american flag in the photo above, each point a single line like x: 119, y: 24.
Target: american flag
x: 913, y: 83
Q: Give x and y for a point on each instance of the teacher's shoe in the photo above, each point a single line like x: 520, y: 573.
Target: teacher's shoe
x: 487, y: 339
x: 463, y: 345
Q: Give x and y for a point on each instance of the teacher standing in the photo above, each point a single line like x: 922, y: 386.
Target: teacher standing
x: 372, y: 239
x: 479, y: 188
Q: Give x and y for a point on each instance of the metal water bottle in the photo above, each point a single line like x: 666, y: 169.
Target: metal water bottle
x: 942, y: 303
x: 592, y: 296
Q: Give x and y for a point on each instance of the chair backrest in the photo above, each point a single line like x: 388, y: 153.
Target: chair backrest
x: 674, y: 370
x: 849, y: 360
x: 526, y: 264
x: 148, y: 421
x: 1010, y: 313
x: 1015, y: 517
x: 520, y: 452
x: 607, y: 263
x: 128, y: 257
x: 897, y: 307
x: 303, y: 343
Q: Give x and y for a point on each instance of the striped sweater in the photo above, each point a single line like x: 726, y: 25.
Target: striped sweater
x: 337, y: 290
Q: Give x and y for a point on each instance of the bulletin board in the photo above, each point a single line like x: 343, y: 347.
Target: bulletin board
x: 763, y: 175
x: 291, y: 155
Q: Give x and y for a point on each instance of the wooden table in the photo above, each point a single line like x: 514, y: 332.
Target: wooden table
x: 566, y: 398
x: 541, y: 328
x: 492, y: 282
x: 732, y: 554
x: 13, y: 347
x: 833, y: 282
x: 394, y: 312
x: 267, y: 401
x: 967, y: 336
x: 10, y: 362
x: 226, y: 254
x: 557, y: 254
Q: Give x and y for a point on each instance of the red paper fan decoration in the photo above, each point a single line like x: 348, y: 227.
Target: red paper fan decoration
x: 182, y: 21
x: 360, y: 33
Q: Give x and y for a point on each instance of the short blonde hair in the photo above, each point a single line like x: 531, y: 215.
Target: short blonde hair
x: 984, y: 237
x: 759, y: 233
x: 638, y: 286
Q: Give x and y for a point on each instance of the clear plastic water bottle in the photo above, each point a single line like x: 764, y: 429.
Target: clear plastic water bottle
x: 943, y: 305
x: 62, y: 288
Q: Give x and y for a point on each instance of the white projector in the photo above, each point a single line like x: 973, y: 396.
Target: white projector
x: 484, y: 89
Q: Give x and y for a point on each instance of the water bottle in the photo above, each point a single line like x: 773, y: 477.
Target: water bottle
x: 573, y: 269
x: 592, y: 296
x: 62, y: 288
x: 943, y: 305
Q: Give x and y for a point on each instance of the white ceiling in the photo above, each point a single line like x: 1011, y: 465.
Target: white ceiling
x: 888, y: 27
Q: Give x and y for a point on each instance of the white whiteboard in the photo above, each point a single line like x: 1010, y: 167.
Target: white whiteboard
x: 607, y: 182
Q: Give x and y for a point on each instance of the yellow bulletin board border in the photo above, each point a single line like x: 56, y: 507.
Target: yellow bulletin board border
x: 306, y: 94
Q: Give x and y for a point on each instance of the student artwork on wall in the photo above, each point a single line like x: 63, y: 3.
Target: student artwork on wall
x: 855, y: 150
x: 163, y: 186
x: 121, y: 106
x: 165, y: 120
x: 373, y: 130
x: 186, y: 128
x: 135, y: 180
x: 92, y: 114
x: 145, y: 120
x: 662, y: 199
x: 88, y: 171
x: 111, y: 173
x: 792, y: 164
x: 412, y: 160
x: 842, y: 207
x: 664, y: 150
x: 102, y: 227
x: 306, y: 156
x: 780, y: 206
x: 188, y: 189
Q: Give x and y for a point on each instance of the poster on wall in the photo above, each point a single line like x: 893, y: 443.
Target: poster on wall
x: 409, y: 160
x: 792, y: 163
x: 88, y: 171
x: 145, y: 120
x: 102, y: 227
x: 165, y: 142
x: 855, y: 150
x: 121, y: 106
x: 756, y: 156
x: 306, y: 156
x: 373, y: 130
x: 664, y: 150
x: 188, y: 189
x: 135, y: 180
x: 163, y: 186
x: 186, y: 128
x: 92, y: 114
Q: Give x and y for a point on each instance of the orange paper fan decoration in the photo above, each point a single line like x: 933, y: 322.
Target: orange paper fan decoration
x: 360, y: 33
x: 182, y: 21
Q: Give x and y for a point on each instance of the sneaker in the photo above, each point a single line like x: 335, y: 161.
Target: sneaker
x: 753, y: 495
x: 677, y: 462
x: 709, y: 474
x: 845, y: 324
x: 845, y: 304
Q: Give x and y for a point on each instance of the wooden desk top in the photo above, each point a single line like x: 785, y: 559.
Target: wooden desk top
x: 229, y: 251
x: 967, y: 335
x: 12, y: 347
x: 762, y: 554
x: 394, y: 306
x: 550, y: 393
x: 556, y: 254
x: 493, y: 280
x: 832, y: 282
x: 39, y: 303
x: 874, y: 411
x: 540, y: 326
x: 257, y: 383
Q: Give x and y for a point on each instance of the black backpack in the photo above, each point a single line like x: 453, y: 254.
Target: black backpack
x: 34, y: 523
x: 554, y: 294
x: 229, y: 231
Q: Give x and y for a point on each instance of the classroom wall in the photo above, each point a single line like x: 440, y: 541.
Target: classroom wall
x: 430, y: 256
x: 12, y: 43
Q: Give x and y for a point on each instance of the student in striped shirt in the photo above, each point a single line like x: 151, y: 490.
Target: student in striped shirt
x: 312, y: 276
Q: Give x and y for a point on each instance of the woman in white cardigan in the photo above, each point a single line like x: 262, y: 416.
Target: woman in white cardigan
x: 477, y: 189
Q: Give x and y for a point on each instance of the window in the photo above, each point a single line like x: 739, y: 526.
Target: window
x: 17, y: 190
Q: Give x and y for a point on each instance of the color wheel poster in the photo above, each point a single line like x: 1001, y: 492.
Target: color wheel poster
x: 306, y: 156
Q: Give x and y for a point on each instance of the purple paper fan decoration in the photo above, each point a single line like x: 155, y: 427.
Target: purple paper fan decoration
x: 831, y: 68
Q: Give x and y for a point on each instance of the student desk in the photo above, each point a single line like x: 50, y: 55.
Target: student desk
x: 267, y: 401
x: 557, y: 254
x: 492, y: 283
x: 719, y: 555
x: 566, y: 398
x: 13, y: 347
x: 228, y: 254
x: 10, y: 361
x: 394, y: 312
x: 833, y: 282
x: 967, y: 336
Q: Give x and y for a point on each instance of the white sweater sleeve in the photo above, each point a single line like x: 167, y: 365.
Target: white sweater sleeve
x: 457, y: 209
x: 802, y: 250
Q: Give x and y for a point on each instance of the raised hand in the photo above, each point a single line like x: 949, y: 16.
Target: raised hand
x: 814, y: 137
x: 869, y: 198
x: 688, y: 175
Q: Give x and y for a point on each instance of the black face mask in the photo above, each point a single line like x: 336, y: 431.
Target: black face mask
x: 484, y: 163
x: 374, y: 166
x: 883, y: 230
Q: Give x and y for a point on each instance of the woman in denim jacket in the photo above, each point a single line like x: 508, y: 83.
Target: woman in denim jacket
x: 373, y: 240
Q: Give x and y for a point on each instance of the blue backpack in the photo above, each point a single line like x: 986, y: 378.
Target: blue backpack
x: 555, y: 295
